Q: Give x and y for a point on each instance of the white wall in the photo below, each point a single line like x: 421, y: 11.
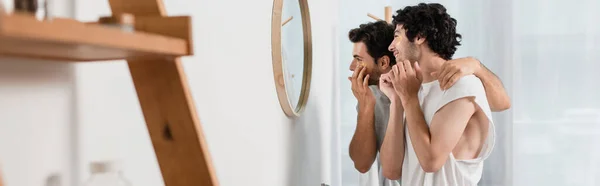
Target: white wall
x: 37, y: 113
x: 250, y: 139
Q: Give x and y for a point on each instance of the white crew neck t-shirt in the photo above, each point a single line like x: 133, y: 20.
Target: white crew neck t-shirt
x: 454, y: 172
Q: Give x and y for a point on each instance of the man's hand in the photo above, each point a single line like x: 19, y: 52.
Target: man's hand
x: 360, y: 87
x: 385, y: 85
x: 407, y: 80
x: 453, y: 70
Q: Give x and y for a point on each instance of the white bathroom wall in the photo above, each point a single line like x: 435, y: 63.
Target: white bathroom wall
x: 37, y: 113
x: 250, y: 139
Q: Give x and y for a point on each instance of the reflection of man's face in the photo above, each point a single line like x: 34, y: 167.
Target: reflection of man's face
x: 362, y: 57
x: 401, y: 47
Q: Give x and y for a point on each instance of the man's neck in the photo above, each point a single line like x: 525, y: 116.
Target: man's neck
x: 429, y: 64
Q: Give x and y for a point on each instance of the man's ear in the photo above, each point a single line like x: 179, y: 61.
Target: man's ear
x: 420, y: 39
x: 384, y: 62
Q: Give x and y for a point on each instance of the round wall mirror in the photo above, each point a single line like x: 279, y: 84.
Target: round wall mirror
x: 292, y: 54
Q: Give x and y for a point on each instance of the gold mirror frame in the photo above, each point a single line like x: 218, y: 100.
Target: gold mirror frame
x: 278, y: 71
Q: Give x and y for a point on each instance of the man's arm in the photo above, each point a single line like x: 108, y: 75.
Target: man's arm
x: 392, y: 149
x: 363, y: 147
x: 433, y: 144
x: 494, y: 90
x: 453, y: 70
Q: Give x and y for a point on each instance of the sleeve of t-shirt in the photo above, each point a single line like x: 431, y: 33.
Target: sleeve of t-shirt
x: 380, y: 117
x: 467, y: 86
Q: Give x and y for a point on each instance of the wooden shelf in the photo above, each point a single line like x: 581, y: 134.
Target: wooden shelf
x: 153, y: 57
x: 70, y: 40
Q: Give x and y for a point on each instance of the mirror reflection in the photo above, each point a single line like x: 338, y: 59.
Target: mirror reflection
x: 292, y: 50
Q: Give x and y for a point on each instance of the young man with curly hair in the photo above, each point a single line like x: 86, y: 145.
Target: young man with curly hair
x: 447, y: 132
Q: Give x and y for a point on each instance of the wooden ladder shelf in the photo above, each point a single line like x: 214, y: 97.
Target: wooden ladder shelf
x: 153, y: 54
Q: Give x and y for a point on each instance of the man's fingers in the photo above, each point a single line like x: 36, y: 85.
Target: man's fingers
x: 366, y: 81
x: 391, y: 76
x: 385, y: 78
x: 356, y: 71
x: 440, y: 76
x: 444, y: 83
x: 360, y: 77
x: 354, y: 75
x: 401, y: 71
x: 361, y: 74
x: 408, y: 67
x: 445, y: 65
x: 452, y: 80
x: 443, y: 72
x: 435, y: 74
x: 440, y: 72
x: 385, y: 81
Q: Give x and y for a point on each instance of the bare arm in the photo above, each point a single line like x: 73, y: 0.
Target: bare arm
x: 433, y: 144
x: 494, y: 90
x: 363, y: 147
x: 392, y: 149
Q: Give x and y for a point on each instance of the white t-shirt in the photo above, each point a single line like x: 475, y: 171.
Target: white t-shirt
x: 453, y: 172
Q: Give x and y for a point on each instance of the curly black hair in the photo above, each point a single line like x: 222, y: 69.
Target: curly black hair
x: 377, y: 36
x: 432, y: 22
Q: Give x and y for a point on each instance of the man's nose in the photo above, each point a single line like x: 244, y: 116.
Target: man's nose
x: 352, y: 65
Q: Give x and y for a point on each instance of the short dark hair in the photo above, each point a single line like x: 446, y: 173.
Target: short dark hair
x: 377, y: 36
x: 432, y: 22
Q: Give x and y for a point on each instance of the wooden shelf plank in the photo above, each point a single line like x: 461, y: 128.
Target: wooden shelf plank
x: 25, y: 36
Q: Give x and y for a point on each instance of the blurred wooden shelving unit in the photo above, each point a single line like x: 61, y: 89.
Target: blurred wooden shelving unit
x: 153, y: 54
x: 68, y: 40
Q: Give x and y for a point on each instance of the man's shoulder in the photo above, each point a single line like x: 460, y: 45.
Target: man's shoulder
x: 467, y: 82
x: 467, y: 86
